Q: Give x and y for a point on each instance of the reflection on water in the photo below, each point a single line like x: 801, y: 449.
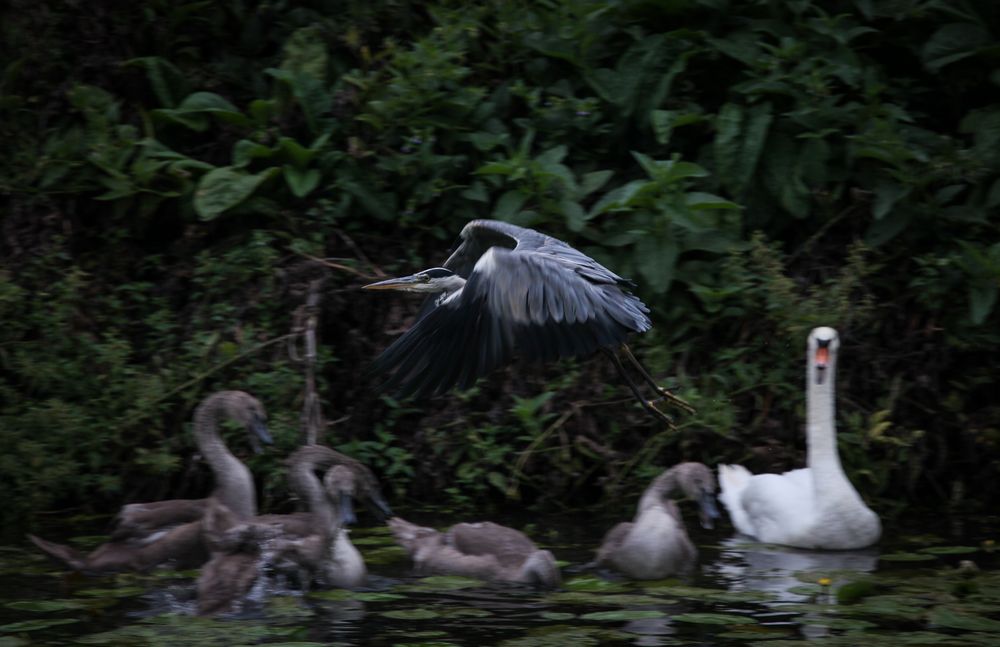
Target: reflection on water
x: 748, y: 566
x: 742, y: 593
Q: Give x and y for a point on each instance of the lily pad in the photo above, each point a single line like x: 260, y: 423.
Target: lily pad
x: 119, y: 592
x: 363, y: 596
x: 584, y: 597
x: 44, y: 606
x: 557, y: 615
x: 838, y: 623
x: 595, y: 584
x: 561, y: 635
x: 906, y: 557
x: 623, y: 614
x: 950, y: 550
x: 411, y: 614
x: 36, y: 625
x: 952, y: 619
x: 468, y: 612
x: 445, y: 583
x: 714, y: 619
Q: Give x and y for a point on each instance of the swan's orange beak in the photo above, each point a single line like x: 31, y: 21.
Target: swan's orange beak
x: 822, y: 362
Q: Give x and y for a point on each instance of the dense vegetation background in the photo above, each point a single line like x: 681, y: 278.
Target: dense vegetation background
x: 177, y: 174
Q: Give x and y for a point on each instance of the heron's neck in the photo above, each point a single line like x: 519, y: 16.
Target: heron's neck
x: 449, y: 288
x: 233, y: 482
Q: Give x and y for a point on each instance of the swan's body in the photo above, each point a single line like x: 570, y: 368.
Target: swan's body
x: 148, y: 534
x: 655, y: 543
x: 814, y: 507
x: 485, y: 550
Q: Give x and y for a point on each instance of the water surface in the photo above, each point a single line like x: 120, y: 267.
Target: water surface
x: 929, y: 582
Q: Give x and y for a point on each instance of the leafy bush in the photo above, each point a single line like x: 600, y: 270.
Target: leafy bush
x: 177, y: 172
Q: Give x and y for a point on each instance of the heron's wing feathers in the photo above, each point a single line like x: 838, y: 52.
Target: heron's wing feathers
x: 534, y: 303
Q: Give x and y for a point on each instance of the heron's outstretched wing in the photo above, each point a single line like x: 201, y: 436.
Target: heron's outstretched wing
x: 543, y: 303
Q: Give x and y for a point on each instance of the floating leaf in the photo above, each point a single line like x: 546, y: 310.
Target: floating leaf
x: 411, y: 614
x: 837, y: 623
x: 43, y: 606
x: 588, y: 583
x: 557, y: 615
x: 906, y: 557
x: 950, y: 550
x: 714, y: 619
x: 623, y: 614
x: 35, y: 625
x: 363, y: 596
x: 952, y: 619
x: 120, y: 592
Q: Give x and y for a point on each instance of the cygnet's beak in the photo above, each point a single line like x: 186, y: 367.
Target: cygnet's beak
x: 709, y: 512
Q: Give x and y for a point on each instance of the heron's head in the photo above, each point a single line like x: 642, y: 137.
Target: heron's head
x: 434, y: 280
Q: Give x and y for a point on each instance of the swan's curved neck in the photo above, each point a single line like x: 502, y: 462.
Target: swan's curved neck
x: 307, y: 485
x: 233, y: 482
x: 661, y: 486
x: 821, y: 432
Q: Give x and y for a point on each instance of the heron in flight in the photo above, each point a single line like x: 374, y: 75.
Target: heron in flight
x: 509, y: 291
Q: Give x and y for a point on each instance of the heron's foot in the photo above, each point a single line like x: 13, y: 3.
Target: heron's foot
x: 650, y: 406
x: 674, y: 399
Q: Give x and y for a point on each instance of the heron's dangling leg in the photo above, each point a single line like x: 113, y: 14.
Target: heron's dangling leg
x: 667, y: 395
x: 646, y: 404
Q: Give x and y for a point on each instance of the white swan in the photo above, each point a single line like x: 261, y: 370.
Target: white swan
x: 814, y: 507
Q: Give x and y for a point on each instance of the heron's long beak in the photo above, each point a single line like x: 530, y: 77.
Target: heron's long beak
x: 709, y: 511
x: 400, y: 283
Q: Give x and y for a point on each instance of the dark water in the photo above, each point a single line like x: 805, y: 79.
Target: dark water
x: 932, y: 581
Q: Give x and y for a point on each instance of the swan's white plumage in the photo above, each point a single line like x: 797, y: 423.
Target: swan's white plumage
x: 814, y: 507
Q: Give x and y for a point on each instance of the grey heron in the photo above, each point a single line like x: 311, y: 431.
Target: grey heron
x: 509, y: 291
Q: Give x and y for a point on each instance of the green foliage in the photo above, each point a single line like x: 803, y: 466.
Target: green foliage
x: 757, y: 169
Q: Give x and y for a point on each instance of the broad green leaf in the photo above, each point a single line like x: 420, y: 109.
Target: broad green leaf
x: 656, y: 260
x: 698, y: 200
x: 887, y: 194
x: 246, y: 151
x: 884, y: 230
x: 574, y: 214
x: 509, y: 204
x: 739, y: 142
x: 224, y: 188
x: 953, y: 42
x: 371, y: 201
x: 982, y: 298
x: 593, y: 181
x: 301, y: 181
x: 169, y: 83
